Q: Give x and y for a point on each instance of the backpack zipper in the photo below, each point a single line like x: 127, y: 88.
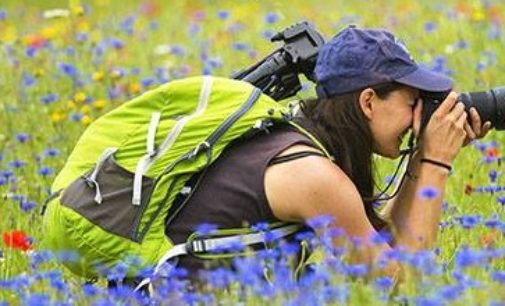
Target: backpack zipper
x: 152, y: 155
x: 211, y: 140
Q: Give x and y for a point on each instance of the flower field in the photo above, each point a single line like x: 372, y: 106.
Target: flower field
x: 65, y: 63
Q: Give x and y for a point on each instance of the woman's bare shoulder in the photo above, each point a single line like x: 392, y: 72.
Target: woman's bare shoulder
x: 306, y: 186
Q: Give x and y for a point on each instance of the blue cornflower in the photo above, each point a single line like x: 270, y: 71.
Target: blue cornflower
x: 116, y: 43
x: 469, y: 221
x: 27, y: 206
x: 320, y: 222
x: 49, y: 98
x: 46, y: 171
x: 6, y: 173
x: 37, y: 299
x: 118, y: 272
x: 3, y: 181
x: 68, y: 69
x: 501, y: 200
x: 240, y: 46
x: 50, y: 152
x: 466, y: 257
x: 193, y: 29
x: 207, y: 70
x: 39, y: 257
x: 381, y: 237
x: 493, y: 174
x: 90, y: 290
x: 206, y: 229
x: 450, y: 293
x: 22, y: 137
x: 461, y: 44
x: 260, y: 227
x: 17, y: 163
x: 177, y: 50
x: 289, y: 248
x: 28, y: 79
x: 147, y: 82
x: 271, y: 17
x: 492, y: 222
x: 30, y: 52
x: 430, y: 27
x: 498, y: 276
x: 383, y: 283
x: 267, y: 34
x: 335, y: 294
x: 3, y: 15
x: 356, y: 270
x: 76, y: 117
x: 219, y: 278
x: 428, y: 193
x: 428, y: 301
x: 223, y: 14
x: 81, y: 37
x: 70, y: 51
x: 127, y: 25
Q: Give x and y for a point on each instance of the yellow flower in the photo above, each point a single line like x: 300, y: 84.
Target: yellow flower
x: 134, y: 88
x: 77, y: 9
x: 85, y: 109
x: 99, y: 104
x: 80, y: 97
x: 86, y: 120
x: 57, y: 116
x: 83, y: 26
x: 39, y: 72
x: 9, y: 34
x: 478, y: 15
x: 71, y: 104
x: 97, y: 76
x: 49, y: 32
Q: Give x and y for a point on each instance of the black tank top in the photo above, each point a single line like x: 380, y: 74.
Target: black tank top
x: 231, y: 193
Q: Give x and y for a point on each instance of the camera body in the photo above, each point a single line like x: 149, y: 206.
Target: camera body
x: 489, y: 104
x: 277, y: 75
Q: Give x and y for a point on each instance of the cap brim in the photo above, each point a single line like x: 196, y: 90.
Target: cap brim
x: 426, y: 80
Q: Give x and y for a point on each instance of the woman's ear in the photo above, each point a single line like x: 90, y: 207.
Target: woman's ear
x: 366, y: 102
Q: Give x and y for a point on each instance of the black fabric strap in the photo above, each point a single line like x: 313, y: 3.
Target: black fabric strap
x: 289, y: 157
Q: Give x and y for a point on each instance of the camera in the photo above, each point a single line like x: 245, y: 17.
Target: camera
x: 277, y: 75
x: 489, y: 104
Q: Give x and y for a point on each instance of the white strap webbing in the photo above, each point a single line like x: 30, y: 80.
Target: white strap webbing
x: 147, y: 160
x: 217, y: 244
x: 92, y: 177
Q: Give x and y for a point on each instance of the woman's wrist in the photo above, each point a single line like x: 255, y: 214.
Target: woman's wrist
x: 436, y: 163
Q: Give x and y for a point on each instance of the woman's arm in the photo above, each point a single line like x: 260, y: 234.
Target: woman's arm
x: 409, y: 207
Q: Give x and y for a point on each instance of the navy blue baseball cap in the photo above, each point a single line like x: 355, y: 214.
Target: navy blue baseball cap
x: 359, y: 58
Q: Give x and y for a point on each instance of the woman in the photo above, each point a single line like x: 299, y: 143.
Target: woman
x: 368, y: 99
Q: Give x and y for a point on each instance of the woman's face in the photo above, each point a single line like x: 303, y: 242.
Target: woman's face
x: 391, y: 119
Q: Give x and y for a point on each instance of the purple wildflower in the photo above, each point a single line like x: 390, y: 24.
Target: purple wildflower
x: 428, y: 193
x: 206, y: 229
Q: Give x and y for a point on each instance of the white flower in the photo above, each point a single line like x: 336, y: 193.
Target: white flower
x: 162, y: 49
x: 56, y: 13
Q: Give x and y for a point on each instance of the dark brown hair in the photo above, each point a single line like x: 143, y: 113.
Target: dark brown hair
x: 341, y: 126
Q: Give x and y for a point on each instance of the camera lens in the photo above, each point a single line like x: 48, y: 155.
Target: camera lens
x: 490, y: 105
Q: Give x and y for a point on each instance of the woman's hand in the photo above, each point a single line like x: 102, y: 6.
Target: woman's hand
x: 476, y: 130
x: 445, y: 133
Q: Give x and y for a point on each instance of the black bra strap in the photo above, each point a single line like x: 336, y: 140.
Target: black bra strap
x: 293, y: 156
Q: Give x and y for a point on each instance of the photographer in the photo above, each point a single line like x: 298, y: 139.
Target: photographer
x: 369, y: 91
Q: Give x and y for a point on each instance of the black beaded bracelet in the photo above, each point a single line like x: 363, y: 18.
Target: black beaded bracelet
x: 436, y: 163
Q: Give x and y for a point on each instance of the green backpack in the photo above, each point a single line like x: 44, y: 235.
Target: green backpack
x: 111, y: 198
